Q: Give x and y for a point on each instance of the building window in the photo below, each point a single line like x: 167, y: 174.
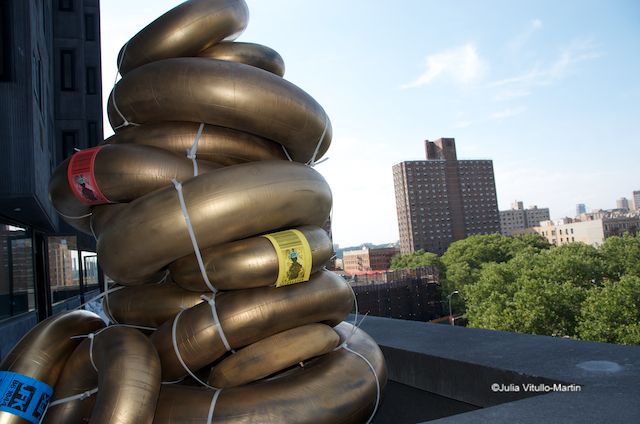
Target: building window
x: 90, y: 27
x: 17, y: 278
x: 92, y: 81
x: 5, y: 42
x: 69, y: 143
x: 65, y: 5
x: 67, y: 70
x: 92, y: 134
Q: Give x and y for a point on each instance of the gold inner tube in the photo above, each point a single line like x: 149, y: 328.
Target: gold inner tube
x: 247, y: 316
x: 123, y: 173
x: 149, y: 305
x: 338, y: 387
x: 216, y: 144
x: 224, y: 205
x: 255, y: 55
x: 42, y: 353
x: 273, y: 354
x: 244, y: 264
x: 127, y: 378
x: 184, y: 31
x: 226, y: 94
x: 78, y: 376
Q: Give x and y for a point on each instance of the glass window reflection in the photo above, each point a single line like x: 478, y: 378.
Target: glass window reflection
x: 64, y: 268
x: 17, y: 293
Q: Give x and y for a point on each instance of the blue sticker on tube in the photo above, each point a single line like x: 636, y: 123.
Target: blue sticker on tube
x: 24, y: 396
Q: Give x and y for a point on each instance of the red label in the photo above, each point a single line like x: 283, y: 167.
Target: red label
x: 81, y: 179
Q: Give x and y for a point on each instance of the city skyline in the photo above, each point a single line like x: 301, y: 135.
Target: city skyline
x: 547, y: 91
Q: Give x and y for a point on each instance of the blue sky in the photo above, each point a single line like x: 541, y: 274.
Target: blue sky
x: 549, y: 90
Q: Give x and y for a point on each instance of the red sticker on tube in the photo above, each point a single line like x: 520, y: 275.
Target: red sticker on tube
x: 81, y: 179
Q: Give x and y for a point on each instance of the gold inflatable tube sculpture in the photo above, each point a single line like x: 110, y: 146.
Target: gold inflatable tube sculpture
x: 251, y: 54
x: 78, y: 376
x: 42, y: 353
x: 101, y: 215
x: 227, y: 94
x: 122, y: 173
x: 184, y: 31
x: 245, y: 264
x: 148, y: 305
x: 216, y: 144
x: 336, y: 388
x: 247, y: 316
x: 127, y: 378
x: 273, y: 354
x: 224, y: 205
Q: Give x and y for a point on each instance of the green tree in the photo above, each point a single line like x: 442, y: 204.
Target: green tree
x: 505, y: 298
x: 576, y: 263
x: 611, y: 312
x: 622, y: 255
x: 415, y: 260
x: 489, y: 300
x: 538, y: 292
x: 465, y: 258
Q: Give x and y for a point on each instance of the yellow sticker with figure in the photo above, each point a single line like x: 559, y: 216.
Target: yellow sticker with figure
x: 294, y: 256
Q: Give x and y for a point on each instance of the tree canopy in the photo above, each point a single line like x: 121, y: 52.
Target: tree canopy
x: 524, y: 284
x: 572, y: 290
x: 415, y: 260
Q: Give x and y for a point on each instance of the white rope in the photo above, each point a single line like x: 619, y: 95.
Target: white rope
x: 212, y: 302
x: 356, y: 325
x: 191, y: 153
x: 286, y: 153
x: 139, y: 327
x: 173, y: 382
x: 75, y: 217
x: 212, y: 407
x: 113, y: 96
x: 320, y: 161
x: 107, y: 310
x: 312, y: 161
x: 192, y: 235
x: 79, y: 396
x: 93, y: 233
x: 375, y: 374
x: 93, y: 299
x: 177, y: 352
x: 91, y: 337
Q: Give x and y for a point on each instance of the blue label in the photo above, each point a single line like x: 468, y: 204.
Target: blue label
x: 24, y: 396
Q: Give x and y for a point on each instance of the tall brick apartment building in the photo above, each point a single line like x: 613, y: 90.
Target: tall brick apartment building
x: 443, y: 199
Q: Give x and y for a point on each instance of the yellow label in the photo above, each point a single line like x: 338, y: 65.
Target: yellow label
x: 294, y: 256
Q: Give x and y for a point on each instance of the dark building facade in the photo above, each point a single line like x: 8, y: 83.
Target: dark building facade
x: 50, y: 104
x: 443, y: 199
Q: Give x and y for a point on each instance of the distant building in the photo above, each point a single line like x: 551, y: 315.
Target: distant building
x: 622, y: 203
x: 592, y: 229
x: 580, y: 209
x: 356, y: 262
x: 635, y: 198
x: 517, y: 219
x: 443, y: 199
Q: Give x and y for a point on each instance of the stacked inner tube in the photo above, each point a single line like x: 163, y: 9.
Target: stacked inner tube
x: 208, y: 214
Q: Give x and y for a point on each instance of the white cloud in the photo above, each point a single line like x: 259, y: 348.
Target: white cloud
x: 507, y: 113
x: 523, y: 37
x: 568, y: 57
x: 462, y: 64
